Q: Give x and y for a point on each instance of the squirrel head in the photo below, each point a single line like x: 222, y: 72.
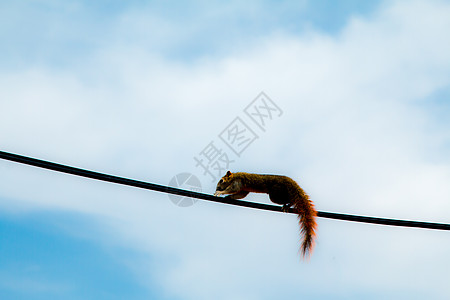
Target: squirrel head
x: 223, y: 183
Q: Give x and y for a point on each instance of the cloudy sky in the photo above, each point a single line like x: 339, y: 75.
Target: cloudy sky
x: 142, y: 89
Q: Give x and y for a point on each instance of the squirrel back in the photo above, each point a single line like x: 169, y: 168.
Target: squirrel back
x: 281, y: 190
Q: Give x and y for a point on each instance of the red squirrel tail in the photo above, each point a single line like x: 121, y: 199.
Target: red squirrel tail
x: 306, y: 215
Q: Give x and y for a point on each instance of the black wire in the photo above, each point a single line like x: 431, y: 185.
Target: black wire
x: 171, y: 190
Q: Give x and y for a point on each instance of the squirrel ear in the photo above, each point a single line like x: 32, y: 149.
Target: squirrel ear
x: 228, y: 174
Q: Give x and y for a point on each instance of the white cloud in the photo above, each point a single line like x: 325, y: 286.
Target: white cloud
x: 352, y: 133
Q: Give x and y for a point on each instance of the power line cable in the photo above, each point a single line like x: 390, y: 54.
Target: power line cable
x: 176, y: 191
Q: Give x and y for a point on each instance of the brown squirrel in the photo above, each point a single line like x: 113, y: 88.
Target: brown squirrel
x: 282, y: 190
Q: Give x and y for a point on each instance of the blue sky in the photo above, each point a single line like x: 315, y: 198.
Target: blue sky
x: 138, y: 89
x: 75, y: 29
x: 41, y: 259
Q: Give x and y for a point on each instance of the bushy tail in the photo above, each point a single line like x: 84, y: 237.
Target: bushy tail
x: 307, y: 219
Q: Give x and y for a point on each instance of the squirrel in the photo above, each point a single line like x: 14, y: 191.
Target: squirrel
x: 282, y: 190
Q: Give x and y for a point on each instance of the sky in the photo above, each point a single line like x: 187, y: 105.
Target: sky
x: 353, y: 103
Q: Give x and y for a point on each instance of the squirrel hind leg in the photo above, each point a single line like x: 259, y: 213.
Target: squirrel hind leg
x: 286, y: 207
x: 280, y: 199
